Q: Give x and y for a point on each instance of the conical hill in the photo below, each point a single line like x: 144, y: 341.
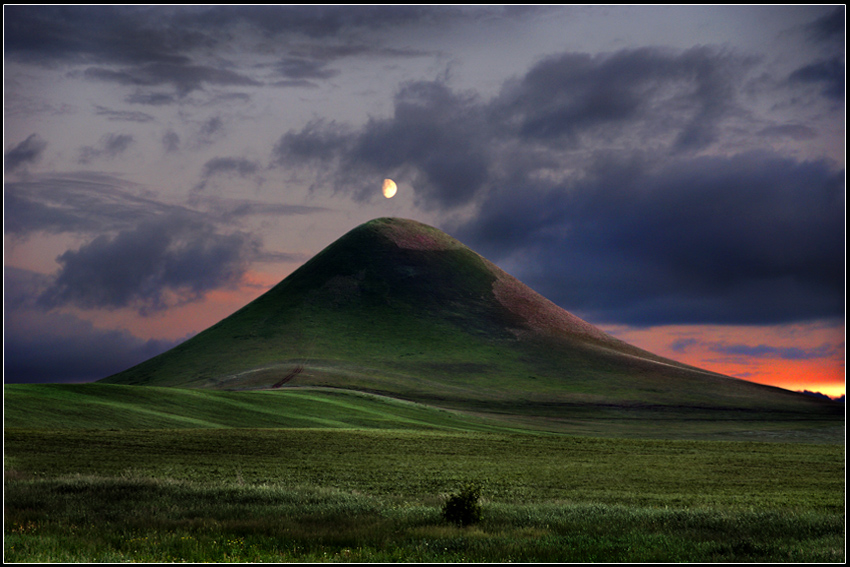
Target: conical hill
x: 400, y: 308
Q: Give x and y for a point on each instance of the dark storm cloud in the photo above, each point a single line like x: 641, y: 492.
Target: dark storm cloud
x: 682, y: 345
x: 183, y: 77
x: 142, y: 47
x: 114, y: 34
x: 239, y: 167
x: 451, y: 146
x: 110, y: 146
x: 151, y: 99
x: 436, y: 140
x: 24, y: 153
x: 783, y: 353
x: 223, y: 165
x: 146, y: 255
x: 316, y: 21
x: 745, y: 351
x: 566, y: 95
x: 753, y: 238
x: 122, y: 115
x: 54, y: 347
x: 830, y: 28
x: 143, y: 267
x: 442, y: 135
x: 829, y: 73
x: 319, y: 141
x: 645, y: 232
x: 139, y: 35
x: 828, y: 34
x: 152, y: 47
x: 114, y: 144
x: 307, y: 64
x: 642, y: 232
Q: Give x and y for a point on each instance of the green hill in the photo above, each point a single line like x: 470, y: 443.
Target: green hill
x: 398, y: 308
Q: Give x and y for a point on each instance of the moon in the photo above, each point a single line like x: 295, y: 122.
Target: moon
x: 389, y: 188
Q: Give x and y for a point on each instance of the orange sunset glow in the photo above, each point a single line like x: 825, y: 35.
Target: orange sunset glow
x: 801, y: 357
x: 185, y: 320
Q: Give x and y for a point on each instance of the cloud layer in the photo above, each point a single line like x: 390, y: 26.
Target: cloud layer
x: 140, y: 253
x: 694, y: 174
x: 168, y: 256
x: 24, y: 153
x: 606, y: 182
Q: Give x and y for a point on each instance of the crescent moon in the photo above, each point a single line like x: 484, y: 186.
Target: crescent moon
x: 389, y: 188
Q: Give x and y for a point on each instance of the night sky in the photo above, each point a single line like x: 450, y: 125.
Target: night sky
x: 673, y: 175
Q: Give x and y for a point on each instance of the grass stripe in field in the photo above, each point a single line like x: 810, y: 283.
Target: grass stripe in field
x: 390, y: 411
x: 138, y: 407
x: 273, y: 413
x: 180, y: 419
x: 422, y: 464
x: 105, y: 406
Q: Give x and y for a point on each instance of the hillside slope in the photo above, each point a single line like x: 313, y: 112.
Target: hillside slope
x: 402, y: 309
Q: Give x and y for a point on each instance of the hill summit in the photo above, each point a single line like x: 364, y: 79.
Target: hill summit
x: 399, y: 308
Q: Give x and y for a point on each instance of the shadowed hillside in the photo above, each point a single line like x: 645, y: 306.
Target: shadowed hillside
x: 399, y: 308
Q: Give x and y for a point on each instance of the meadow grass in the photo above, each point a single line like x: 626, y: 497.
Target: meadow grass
x: 375, y: 495
x: 101, y: 406
x: 111, y: 406
x: 132, y: 519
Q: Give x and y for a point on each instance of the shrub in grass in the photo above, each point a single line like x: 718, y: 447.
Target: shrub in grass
x: 463, y: 508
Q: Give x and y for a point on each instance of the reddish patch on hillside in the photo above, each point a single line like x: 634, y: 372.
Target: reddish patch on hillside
x: 412, y: 235
x: 539, y: 313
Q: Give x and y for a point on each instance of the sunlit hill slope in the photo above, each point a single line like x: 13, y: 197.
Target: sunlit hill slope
x: 399, y: 308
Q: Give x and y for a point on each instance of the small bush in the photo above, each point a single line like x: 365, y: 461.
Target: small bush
x: 463, y: 508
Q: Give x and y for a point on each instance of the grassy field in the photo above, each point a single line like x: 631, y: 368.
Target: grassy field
x: 105, y: 406
x: 221, y: 494
x: 108, y: 406
x: 99, y: 472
